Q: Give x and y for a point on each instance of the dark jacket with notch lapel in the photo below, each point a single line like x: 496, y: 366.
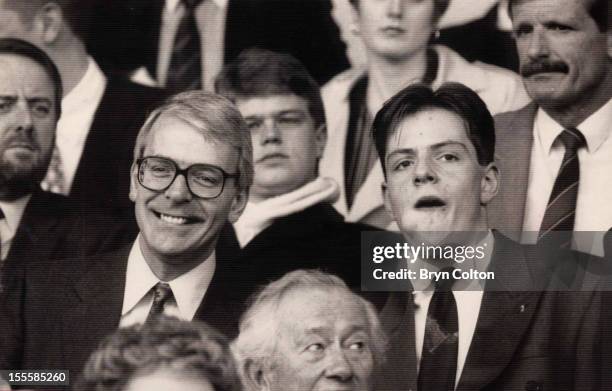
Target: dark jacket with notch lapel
x: 60, y: 312
x: 125, y: 33
x: 525, y: 339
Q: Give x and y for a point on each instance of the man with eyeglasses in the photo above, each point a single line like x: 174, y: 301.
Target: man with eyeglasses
x: 191, y: 175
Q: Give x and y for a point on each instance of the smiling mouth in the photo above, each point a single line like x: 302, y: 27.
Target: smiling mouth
x: 176, y: 220
x: 391, y: 30
x: 429, y: 203
x: 27, y: 146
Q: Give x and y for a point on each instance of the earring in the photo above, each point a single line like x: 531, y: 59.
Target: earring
x: 437, y: 34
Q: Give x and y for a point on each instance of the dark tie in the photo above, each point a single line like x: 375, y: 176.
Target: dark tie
x: 1, y: 260
x: 561, y: 209
x: 438, y: 366
x: 185, y: 71
x: 161, y: 294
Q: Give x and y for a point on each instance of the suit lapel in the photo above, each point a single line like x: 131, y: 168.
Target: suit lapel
x: 397, y: 320
x: 93, y: 308
x: 39, y: 225
x: 513, y: 154
x: 504, y: 317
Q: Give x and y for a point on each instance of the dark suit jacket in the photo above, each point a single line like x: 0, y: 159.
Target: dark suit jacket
x: 524, y: 339
x: 59, y: 314
x: 102, y: 178
x: 514, y: 140
x: 315, y: 238
x: 54, y: 227
x: 125, y: 33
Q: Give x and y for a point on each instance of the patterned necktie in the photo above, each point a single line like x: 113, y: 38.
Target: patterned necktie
x: 185, y: 70
x: 54, y: 181
x: 561, y: 209
x: 438, y: 367
x: 161, y: 294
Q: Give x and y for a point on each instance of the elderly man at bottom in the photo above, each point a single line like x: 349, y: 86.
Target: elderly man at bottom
x: 164, y: 354
x: 191, y: 172
x: 437, y: 151
x: 308, y: 331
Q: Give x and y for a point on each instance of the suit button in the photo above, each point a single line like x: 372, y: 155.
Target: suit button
x: 534, y: 386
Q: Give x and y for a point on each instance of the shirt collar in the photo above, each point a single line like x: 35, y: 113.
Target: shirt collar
x: 596, y: 128
x: 188, y: 289
x: 85, y: 91
x: 13, y: 212
x: 171, y: 5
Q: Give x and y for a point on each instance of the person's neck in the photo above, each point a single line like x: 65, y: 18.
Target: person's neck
x: 72, y: 61
x: 179, y: 264
x: 386, y: 77
x: 570, y: 116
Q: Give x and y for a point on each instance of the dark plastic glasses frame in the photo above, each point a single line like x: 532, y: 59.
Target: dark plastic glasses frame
x: 184, y: 172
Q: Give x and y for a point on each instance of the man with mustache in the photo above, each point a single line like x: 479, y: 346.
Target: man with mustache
x: 36, y: 225
x: 556, y: 153
x: 289, y: 222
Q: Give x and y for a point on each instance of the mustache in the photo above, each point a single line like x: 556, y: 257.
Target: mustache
x: 536, y: 67
x: 22, y: 139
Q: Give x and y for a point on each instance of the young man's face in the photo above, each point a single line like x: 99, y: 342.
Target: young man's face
x: 286, y: 143
x: 434, y: 181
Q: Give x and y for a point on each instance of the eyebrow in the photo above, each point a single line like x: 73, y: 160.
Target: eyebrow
x: 39, y: 100
x: 442, y: 144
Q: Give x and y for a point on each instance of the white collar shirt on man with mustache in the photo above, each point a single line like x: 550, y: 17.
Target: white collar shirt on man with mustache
x: 593, y: 207
x: 13, y: 212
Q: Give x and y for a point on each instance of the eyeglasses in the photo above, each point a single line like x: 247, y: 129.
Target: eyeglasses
x: 203, y: 180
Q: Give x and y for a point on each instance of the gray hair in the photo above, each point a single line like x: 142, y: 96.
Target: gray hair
x: 215, y: 117
x: 259, y: 324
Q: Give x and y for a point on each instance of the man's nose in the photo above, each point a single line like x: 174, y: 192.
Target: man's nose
x: 538, y: 44
x: 22, y: 117
x: 339, y: 368
x: 424, y: 173
x: 178, y: 190
x: 271, y: 132
x: 395, y: 8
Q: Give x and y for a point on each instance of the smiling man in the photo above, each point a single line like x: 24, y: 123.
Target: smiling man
x: 437, y: 150
x: 191, y: 173
x: 556, y: 153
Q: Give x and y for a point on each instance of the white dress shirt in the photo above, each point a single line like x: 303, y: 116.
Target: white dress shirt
x: 593, y: 206
x: 78, y: 110
x: 468, y: 307
x: 188, y: 289
x: 13, y: 212
x: 210, y: 18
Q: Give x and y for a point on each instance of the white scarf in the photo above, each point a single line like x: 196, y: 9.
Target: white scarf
x: 259, y: 216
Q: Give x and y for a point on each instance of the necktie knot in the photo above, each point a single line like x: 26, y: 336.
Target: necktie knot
x: 161, y: 294
x: 572, y: 139
x: 445, y: 284
x: 191, y: 4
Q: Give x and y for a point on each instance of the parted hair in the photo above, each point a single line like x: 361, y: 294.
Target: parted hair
x: 215, y: 117
x: 453, y: 97
x: 25, y: 49
x: 191, y: 349
x: 260, y: 72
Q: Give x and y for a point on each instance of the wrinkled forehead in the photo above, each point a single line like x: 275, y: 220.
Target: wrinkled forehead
x: 17, y: 72
x: 321, y: 310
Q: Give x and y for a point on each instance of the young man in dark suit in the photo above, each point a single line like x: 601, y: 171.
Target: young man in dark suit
x: 503, y: 332
x: 191, y: 173
x: 100, y: 115
x: 35, y: 225
x: 565, y: 52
